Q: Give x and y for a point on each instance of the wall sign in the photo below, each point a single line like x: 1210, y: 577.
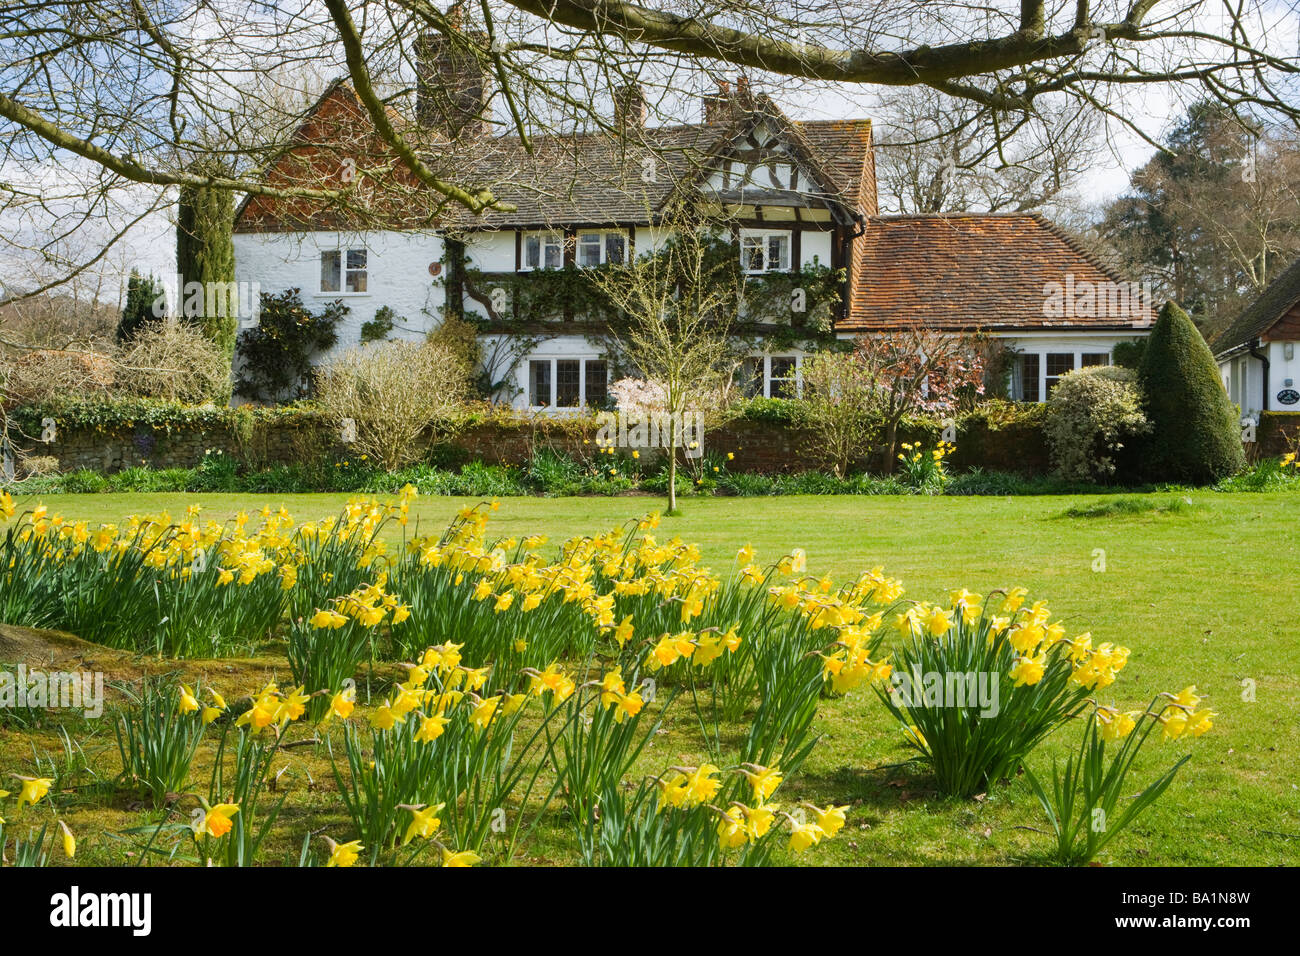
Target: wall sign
x: 1288, y: 396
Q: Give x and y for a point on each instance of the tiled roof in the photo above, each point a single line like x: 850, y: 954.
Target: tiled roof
x: 1273, y: 304
x: 585, y: 178
x: 975, y: 271
x: 598, y: 178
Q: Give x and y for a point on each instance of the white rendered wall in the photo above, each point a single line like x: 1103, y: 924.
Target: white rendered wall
x: 397, y: 276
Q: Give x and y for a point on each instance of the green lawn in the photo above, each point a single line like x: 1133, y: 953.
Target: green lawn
x: 1203, y: 593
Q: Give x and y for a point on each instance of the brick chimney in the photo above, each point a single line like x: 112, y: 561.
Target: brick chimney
x: 630, y: 106
x: 728, y: 102
x: 453, y: 90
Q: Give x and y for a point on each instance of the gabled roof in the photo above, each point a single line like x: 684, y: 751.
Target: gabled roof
x: 962, y: 272
x: 335, y: 129
x: 580, y: 178
x: 1273, y: 304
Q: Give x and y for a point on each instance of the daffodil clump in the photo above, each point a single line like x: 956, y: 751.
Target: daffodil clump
x: 925, y: 469
x: 1041, y: 677
x: 159, y: 732
x: 705, y: 816
x: 1089, y: 801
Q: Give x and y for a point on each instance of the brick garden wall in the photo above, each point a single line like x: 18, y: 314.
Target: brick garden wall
x: 758, y: 446
x: 1276, y: 435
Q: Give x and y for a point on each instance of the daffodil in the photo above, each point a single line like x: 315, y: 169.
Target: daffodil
x: 343, y: 854
x: 69, y: 841
x: 217, y: 821
x: 424, y: 823
x: 464, y: 858
x: 33, y: 789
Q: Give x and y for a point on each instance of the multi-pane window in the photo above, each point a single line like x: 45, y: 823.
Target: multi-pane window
x: 597, y: 383
x: 781, y: 380
x: 343, y: 270
x: 600, y: 248
x: 1058, y: 363
x: 1029, y: 367
x: 539, y: 384
x: 543, y: 251
x: 775, y: 376
x: 765, y: 251
x: 567, y: 383
x: 1092, y: 359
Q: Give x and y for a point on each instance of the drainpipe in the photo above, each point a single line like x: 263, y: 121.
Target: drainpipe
x: 846, y: 249
x: 1254, y: 352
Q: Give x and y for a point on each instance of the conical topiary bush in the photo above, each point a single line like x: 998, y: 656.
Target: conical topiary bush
x: 1195, y: 433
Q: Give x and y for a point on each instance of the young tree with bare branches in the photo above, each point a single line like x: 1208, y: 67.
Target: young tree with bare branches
x: 679, y: 303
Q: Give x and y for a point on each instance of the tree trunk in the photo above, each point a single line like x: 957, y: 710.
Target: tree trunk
x: 205, y: 254
x: 891, y: 437
x: 672, y: 464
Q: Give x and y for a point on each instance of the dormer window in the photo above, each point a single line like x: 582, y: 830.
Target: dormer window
x: 764, y: 251
x: 543, y: 250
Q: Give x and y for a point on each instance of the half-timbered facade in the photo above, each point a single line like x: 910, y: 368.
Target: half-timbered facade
x: 797, y: 199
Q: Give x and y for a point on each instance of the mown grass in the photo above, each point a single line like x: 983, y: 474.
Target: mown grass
x: 1203, y: 593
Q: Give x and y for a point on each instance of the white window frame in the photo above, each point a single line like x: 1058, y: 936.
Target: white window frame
x: 553, y: 361
x: 604, y: 236
x: 344, y: 271
x: 765, y: 236
x: 765, y: 363
x: 1078, y: 351
x: 544, y: 240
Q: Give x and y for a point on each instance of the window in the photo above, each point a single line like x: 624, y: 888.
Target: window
x: 1029, y: 367
x: 543, y: 251
x: 781, y: 380
x: 539, y: 384
x: 775, y: 376
x: 1092, y: 359
x: 765, y: 251
x: 1058, y: 363
x: 567, y: 383
x: 597, y: 383
x: 600, y: 248
x: 343, y: 270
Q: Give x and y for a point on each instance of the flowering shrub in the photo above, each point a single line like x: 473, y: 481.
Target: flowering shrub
x: 1092, y: 414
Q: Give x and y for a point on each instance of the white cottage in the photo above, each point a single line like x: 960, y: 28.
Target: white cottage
x: 799, y: 198
x: 1258, y: 353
